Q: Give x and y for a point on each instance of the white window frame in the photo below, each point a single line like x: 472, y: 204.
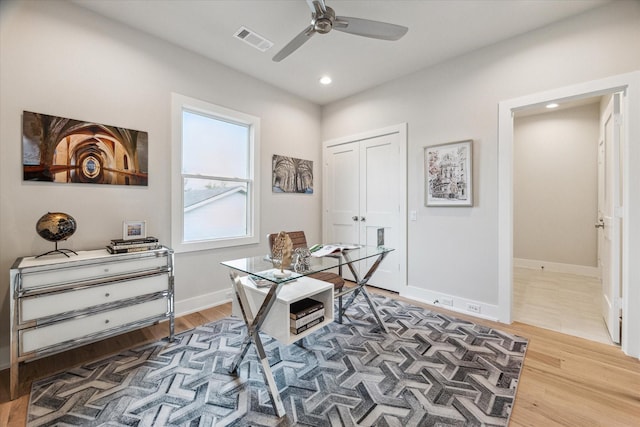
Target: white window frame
x: 180, y: 103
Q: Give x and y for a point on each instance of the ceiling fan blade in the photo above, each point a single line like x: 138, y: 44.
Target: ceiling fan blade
x: 368, y: 28
x: 317, y: 6
x: 294, y: 44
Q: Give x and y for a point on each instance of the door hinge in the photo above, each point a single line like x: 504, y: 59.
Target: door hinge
x: 617, y: 119
x: 618, y: 211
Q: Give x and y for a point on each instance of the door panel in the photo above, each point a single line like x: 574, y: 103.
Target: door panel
x: 342, y: 189
x: 379, y: 183
x: 609, y: 204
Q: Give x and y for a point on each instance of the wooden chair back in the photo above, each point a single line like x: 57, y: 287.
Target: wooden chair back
x: 299, y: 240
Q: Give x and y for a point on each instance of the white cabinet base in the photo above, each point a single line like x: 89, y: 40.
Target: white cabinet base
x: 276, y: 323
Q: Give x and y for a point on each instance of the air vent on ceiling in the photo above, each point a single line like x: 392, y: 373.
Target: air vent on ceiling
x: 252, y: 38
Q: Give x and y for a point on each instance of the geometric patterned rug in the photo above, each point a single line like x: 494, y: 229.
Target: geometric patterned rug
x: 429, y: 370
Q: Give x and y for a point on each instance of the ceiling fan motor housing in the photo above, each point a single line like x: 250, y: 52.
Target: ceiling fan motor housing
x: 323, y: 23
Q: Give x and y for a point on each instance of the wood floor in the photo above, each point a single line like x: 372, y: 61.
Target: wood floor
x: 566, y: 380
x: 567, y: 303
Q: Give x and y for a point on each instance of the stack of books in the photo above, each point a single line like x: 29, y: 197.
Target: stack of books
x: 304, y: 314
x: 121, y: 246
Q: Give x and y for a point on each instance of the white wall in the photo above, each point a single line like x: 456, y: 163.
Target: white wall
x: 555, y: 186
x: 62, y: 60
x: 453, y: 251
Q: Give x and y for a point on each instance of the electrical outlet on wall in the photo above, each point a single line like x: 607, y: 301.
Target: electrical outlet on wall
x: 474, y: 308
x: 446, y: 301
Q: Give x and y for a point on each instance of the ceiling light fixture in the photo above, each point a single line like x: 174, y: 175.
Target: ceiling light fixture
x: 325, y: 80
x: 552, y: 105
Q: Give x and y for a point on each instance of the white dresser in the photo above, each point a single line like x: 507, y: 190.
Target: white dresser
x: 60, y: 302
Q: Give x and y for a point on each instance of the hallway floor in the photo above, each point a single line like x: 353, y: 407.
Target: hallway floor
x: 562, y: 302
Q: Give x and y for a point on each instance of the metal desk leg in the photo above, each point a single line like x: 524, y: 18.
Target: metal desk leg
x: 253, y: 334
x: 340, y: 296
x: 246, y: 316
x: 268, y: 377
x: 361, y: 286
x: 374, y: 310
x: 340, y: 309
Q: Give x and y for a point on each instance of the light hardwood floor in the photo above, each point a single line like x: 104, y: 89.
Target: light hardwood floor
x: 566, y: 380
x: 567, y: 303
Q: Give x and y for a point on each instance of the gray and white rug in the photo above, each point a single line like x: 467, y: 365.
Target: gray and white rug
x: 429, y: 370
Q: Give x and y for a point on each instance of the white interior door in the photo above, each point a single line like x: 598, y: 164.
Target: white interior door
x: 342, y: 193
x: 380, y: 205
x: 363, y: 194
x: 609, y: 209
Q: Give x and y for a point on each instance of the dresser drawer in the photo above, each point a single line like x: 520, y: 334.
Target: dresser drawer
x: 77, y: 273
x: 47, y: 305
x: 39, y: 338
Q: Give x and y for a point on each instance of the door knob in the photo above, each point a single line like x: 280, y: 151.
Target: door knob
x: 362, y: 219
x: 355, y: 218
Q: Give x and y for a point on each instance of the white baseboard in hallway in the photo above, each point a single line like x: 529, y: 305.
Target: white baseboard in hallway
x: 557, y: 267
x: 567, y: 303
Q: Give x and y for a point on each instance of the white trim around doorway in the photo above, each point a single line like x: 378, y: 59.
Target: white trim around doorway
x: 630, y: 84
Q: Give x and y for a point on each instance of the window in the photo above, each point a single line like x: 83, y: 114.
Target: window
x: 214, y: 176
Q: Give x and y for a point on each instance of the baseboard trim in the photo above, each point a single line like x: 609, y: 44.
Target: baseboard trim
x: 458, y: 304
x: 202, y: 302
x: 557, y: 267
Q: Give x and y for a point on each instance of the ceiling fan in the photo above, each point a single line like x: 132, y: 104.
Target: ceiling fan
x: 324, y: 19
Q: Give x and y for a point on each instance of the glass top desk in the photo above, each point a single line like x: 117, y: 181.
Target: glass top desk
x: 256, y: 303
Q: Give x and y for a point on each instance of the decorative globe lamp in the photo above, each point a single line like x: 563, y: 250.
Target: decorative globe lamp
x: 56, y: 226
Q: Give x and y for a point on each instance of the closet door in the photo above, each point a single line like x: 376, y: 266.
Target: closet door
x: 342, y: 194
x: 363, y: 196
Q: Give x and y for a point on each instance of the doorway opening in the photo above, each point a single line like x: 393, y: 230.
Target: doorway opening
x: 556, y: 275
x: 629, y: 211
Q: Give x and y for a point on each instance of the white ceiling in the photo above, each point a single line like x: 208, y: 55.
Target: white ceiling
x: 438, y: 30
x: 563, y: 104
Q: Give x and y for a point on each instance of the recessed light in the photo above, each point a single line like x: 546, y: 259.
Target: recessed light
x: 552, y: 105
x: 325, y: 80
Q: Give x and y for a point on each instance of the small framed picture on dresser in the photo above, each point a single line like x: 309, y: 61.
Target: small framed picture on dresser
x: 134, y: 230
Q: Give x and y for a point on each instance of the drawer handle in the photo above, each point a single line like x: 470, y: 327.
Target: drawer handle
x: 107, y: 295
x: 106, y: 270
x: 106, y: 321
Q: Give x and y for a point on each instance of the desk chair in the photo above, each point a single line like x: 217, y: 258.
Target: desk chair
x: 299, y: 240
